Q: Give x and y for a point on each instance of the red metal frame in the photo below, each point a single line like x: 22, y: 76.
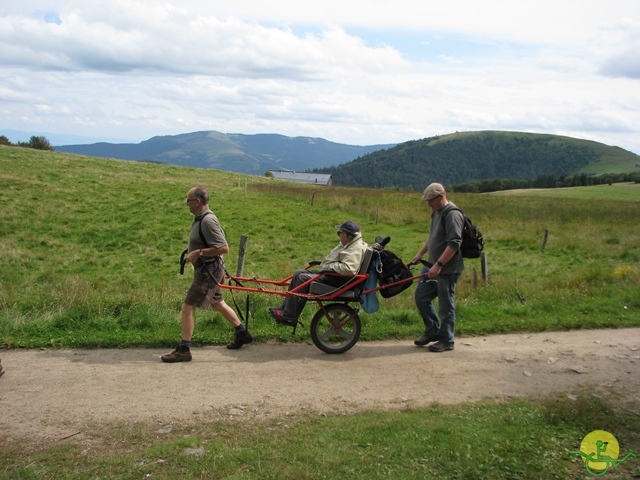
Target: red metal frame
x: 280, y: 287
x: 353, y: 282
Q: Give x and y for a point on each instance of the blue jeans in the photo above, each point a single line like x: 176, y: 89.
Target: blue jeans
x: 442, y: 287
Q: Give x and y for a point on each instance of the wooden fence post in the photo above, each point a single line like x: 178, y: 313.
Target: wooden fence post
x: 544, y: 240
x: 484, y: 263
x: 241, y: 254
x: 474, y: 278
x: 312, y: 198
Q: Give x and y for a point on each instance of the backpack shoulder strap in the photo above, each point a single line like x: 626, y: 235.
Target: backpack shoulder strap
x: 447, y: 209
x: 204, y: 240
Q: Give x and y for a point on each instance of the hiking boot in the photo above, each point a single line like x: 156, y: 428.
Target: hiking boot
x: 180, y: 354
x: 242, y: 338
x: 280, y: 317
x: 440, y: 347
x: 424, y: 339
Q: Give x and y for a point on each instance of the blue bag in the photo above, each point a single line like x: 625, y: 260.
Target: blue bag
x: 370, y: 303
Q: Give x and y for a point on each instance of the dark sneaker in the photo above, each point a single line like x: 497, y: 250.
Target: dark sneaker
x: 242, y: 338
x: 279, y: 316
x: 180, y: 354
x: 440, y: 347
x: 2, y: 370
x: 423, y: 340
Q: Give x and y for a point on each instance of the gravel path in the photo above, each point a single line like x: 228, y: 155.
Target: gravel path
x: 51, y: 394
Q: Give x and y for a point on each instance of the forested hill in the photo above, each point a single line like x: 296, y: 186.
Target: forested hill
x: 464, y: 157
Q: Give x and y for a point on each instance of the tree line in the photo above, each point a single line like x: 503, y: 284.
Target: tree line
x: 36, y: 142
x: 544, y: 181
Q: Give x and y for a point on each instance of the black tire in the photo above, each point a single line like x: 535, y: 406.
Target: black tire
x: 336, y: 328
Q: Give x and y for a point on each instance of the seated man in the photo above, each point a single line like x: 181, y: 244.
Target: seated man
x: 344, y: 260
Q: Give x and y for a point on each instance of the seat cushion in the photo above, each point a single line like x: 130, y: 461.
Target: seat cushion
x: 319, y: 288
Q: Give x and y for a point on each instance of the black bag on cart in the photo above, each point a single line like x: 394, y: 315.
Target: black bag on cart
x: 390, y: 270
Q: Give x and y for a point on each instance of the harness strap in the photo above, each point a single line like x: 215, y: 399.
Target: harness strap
x: 247, y: 301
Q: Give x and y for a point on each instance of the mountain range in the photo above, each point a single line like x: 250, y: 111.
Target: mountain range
x: 450, y: 159
x: 250, y: 154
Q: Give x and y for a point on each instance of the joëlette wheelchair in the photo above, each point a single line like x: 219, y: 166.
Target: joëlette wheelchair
x: 336, y: 325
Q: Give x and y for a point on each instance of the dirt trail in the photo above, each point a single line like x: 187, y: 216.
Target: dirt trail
x: 50, y: 394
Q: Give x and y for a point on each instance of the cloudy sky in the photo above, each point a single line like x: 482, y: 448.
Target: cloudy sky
x: 359, y: 72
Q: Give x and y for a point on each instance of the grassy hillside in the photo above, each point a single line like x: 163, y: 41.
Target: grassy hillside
x: 471, y: 156
x: 625, y: 192
x: 90, y: 247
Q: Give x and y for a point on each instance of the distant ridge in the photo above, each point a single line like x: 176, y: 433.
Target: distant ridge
x: 251, y: 154
x: 451, y: 159
x: 470, y: 156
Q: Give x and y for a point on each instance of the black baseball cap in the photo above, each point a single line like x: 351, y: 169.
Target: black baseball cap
x: 349, y: 227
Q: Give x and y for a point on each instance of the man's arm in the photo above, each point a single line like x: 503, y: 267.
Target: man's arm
x: 453, y: 229
x: 447, y: 255
x: 421, y: 252
x: 343, y: 263
x: 349, y: 266
x: 207, y: 252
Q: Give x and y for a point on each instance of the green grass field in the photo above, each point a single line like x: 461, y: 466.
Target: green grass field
x: 89, y: 258
x: 623, y: 192
x: 90, y: 249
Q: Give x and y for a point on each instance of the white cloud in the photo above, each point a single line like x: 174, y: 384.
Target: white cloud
x: 359, y: 72
x: 619, y: 48
x: 177, y: 42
